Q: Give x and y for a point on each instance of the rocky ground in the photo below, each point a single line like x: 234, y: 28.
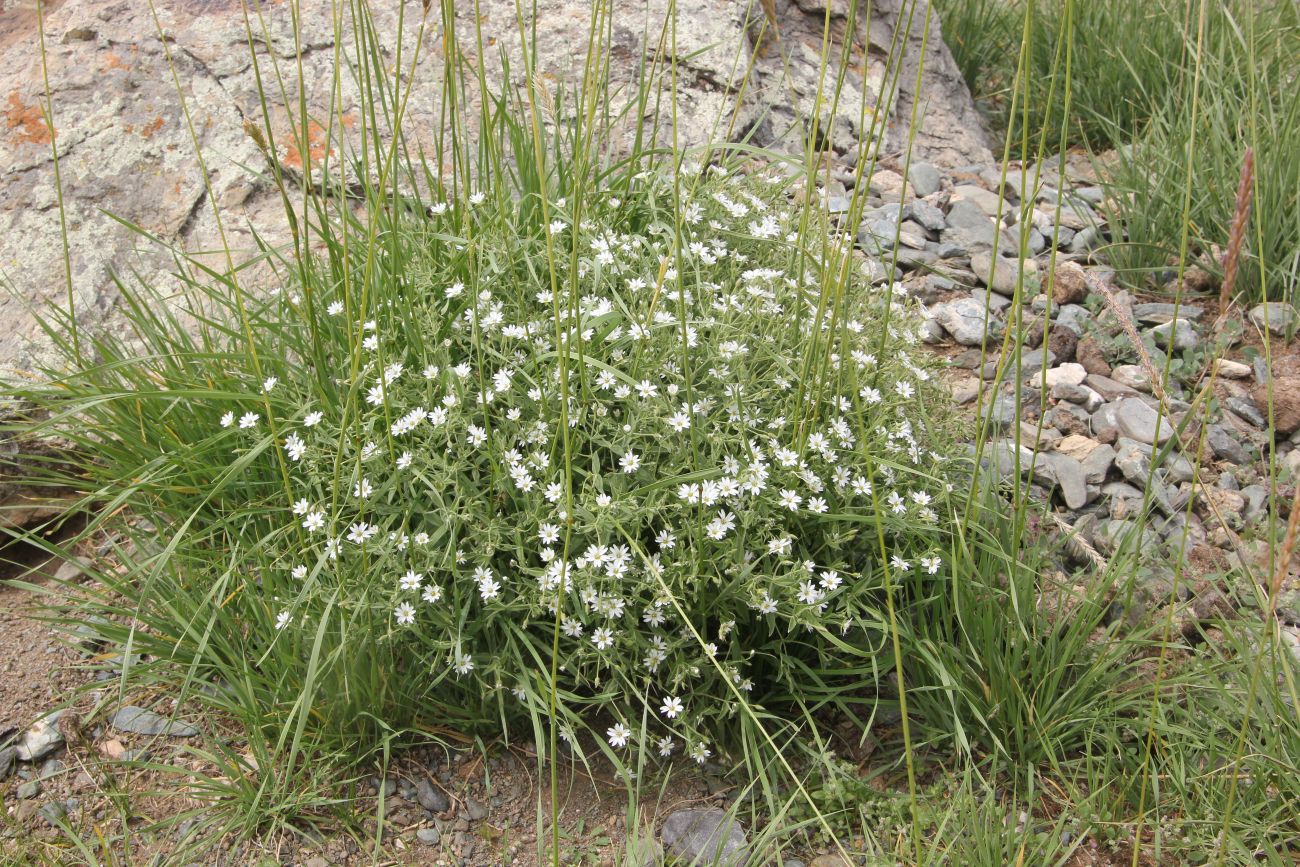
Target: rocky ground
x: 1087, y: 414
x: 1080, y: 426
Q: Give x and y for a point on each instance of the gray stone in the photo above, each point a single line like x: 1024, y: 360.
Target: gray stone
x: 137, y: 720
x: 1134, y: 462
x: 1278, y: 317
x: 1001, y: 275
x: 1246, y: 409
x: 931, y: 331
x: 700, y: 837
x: 1085, y: 240
x: 1075, y: 317
x: 126, y: 149
x: 1177, y: 335
x: 925, y: 178
x: 911, y: 235
x: 1159, y: 312
x: 430, y: 836
x: 1097, y: 464
x: 965, y: 321
x: 41, y: 739
x: 1226, y: 445
x: 986, y: 200
x: 1000, y: 412
x: 28, y: 790
x: 53, y: 812
x: 477, y: 810
x: 1138, y: 421
x: 969, y: 227
x: 1068, y: 374
x: 1231, y: 369
x: 8, y: 757
x: 924, y: 214
x: 1069, y: 476
x: 1133, y: 376
x: 996, y: 303
x: 1108, y: 388
x: 430, y: 797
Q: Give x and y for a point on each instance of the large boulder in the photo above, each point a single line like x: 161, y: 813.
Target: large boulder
x: 127, y: 146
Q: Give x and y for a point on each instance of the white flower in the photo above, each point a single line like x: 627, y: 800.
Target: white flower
x: 301, y: 507
x: 404, y: 460
x: 548, y: 533
x: 312, y: 419
x: 477, y: 198
x: 410, y: 581
x: 603, y: 638
x: 721, y: 525
x: 671, y: 707
x: 295, y: 447
x: 361, y: 532
x: 464, y: 664
x: 314, y: 521
x: 270, y: 383
x: 618, y: 735
x: 666, y: 540
x: 363, y: 489
x: 630, y: 462
x: 432, y: 593
x: 405, y: 614
x: 808, y: 594
x: 666, y: 745
x: 488, y: 587
x: 228, y: 419
x: 477, y: 435
x: 700, y: 752
x: 899, y: 563
x: 298, y: 572
x: 282, y: 619
x: 335, y: 308
x: 679, y: 421
x: 791, y: 500
x: 817, y: 505
x: 248, y: 419
x: 931, y: 564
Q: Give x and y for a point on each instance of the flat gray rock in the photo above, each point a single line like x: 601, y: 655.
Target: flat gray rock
x: 137, y: 720
x: 41, y: 739
x: 1277, y: 316
x: 1138, y: 421
x: 705, y: 837
x: 964, y: 319
x: 1178, y: 335
x: 1068, y: 475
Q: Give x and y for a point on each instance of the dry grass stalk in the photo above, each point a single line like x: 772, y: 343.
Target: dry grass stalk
x: 1285, y: 552
x: 1236, y: 236
x: 1076, y: 539
x: 1126, y: 323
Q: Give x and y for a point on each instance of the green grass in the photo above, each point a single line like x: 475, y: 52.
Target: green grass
x: 1182, y: 88
x: 1012, y: 731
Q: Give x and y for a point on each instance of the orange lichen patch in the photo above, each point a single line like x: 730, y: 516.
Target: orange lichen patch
x: 112, y: 60
x: 349, y: 120
x: 27, y: 120
x: 316, y: 145
x: 151, y: 127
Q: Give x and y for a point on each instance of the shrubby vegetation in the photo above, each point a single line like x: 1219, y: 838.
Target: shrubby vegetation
x: 1181, y: 89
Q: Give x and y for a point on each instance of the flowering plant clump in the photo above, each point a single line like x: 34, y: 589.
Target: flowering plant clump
x: 668, y: 443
